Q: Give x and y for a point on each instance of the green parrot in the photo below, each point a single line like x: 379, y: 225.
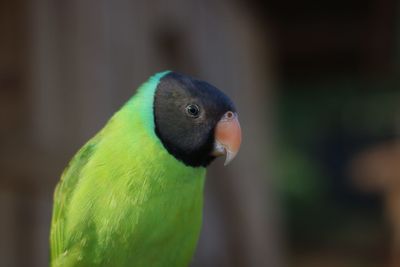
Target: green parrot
x: 133, y: 194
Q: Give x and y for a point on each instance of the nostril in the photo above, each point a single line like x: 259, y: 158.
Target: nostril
x: 229, y: 114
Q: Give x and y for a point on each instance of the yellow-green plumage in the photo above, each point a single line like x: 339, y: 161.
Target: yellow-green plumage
x: 124, y: 200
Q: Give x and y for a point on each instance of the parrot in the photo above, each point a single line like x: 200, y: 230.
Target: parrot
x: 133, y: 194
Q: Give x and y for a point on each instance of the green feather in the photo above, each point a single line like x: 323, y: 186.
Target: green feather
x: 124, y: 200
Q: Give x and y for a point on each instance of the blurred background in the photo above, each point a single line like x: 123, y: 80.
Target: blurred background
x: 316, y: 83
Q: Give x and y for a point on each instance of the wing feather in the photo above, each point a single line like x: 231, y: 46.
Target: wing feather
x: 62, y: 196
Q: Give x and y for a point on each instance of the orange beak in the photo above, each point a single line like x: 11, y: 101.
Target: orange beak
x: 228, y: 137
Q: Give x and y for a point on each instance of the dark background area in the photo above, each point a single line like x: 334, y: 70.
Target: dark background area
x: 316, y: 84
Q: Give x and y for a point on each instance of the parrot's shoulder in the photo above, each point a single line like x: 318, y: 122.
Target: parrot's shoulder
x: 71, y: 173
x: 63, y: 195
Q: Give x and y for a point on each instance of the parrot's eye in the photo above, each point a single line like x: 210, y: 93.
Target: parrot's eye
x: 193, y: 110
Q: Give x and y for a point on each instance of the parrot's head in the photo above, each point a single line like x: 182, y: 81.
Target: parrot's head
x: 195, y: 121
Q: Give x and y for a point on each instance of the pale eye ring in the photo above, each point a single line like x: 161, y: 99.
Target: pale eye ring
x: 193, y: 110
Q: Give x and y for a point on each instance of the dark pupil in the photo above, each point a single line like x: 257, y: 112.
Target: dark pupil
x: 192, y: 110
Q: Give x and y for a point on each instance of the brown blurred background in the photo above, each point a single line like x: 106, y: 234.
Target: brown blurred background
x: 317, y: 182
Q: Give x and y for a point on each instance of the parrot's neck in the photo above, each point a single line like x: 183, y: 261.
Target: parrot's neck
x: 142, y: 103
